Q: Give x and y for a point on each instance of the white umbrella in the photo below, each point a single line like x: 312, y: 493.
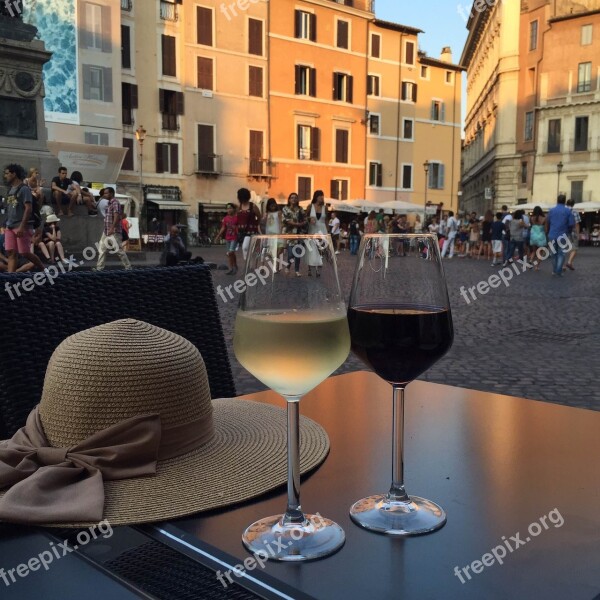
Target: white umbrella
x: 401, y: 206
x: 531, y: 206
x: 343, y: 206
x: 587, y: 206
x: 368, y: 205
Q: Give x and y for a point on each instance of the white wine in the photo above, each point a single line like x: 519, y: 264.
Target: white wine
x: 293, y: 351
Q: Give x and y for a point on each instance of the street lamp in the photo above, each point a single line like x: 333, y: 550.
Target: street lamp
x: 140, y: 134
x: 559, y: 168
x: 426, y: 169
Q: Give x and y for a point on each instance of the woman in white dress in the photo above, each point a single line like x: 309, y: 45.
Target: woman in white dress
x: 272, y: 225
x: 317, y: 225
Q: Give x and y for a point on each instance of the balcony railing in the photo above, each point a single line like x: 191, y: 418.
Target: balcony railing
x: 261, y: 168
x: 580, y: 145
x: 209, y: 164
x: 126, y: 5
x: 168, y: 11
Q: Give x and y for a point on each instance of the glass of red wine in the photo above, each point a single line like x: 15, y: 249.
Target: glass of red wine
x: 400, y: 325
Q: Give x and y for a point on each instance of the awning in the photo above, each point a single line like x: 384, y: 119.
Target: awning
x: 96, y: 163
x: 169, y: 204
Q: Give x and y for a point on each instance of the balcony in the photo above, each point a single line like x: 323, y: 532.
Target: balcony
x: 168, y: 11
x: 126, y: 5
x: 261, y: 168
x: 209, y: 165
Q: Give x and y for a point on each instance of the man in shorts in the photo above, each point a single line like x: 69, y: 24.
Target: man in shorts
x: 497, y: 239
x: 19, y: 219
x: 61, y: 194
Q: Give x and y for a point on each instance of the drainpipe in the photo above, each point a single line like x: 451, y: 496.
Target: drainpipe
x: 452, y: 189
x: 398, y: 123
x: 268, y: 52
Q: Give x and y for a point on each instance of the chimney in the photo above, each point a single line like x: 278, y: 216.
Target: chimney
x: 446, y: 54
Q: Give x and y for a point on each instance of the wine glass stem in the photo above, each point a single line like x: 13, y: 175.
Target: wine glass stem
x: 397, y: 491
x: 293, y: 513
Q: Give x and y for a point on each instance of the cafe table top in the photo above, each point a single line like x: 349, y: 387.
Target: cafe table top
x: 519, y: 474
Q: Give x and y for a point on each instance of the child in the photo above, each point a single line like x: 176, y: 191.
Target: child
x: 497, y: 233
x: 229, y: 228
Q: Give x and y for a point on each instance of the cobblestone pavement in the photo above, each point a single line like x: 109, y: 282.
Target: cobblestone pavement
x: 538, y: 338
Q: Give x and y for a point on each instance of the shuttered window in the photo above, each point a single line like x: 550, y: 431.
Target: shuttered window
x: 97, y: 83
x: 125, y: 47
x: 169, y: 57
x: 339, y: 189
x: 375, y: 45
x: 256, y: 152
x: 304, y: 188
x: 128, y: 160
x: 305, y: 25
x: 204, y: 26
x: 255, y: 80
x: 206, y: 148
x: 167, y: 158
x: 205, y: 73
x: 409, y: 53
x: 343, y: 30
x: 255, y: 37
x: 341, y: 145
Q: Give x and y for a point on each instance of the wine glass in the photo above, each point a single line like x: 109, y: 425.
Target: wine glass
x: 400, y: 325
x: 291, y: 333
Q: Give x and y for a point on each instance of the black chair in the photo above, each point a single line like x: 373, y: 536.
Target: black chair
x: 180, y: 299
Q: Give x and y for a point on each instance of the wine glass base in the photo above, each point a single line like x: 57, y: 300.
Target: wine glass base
x: 417, y: 516
x: 315, y: 538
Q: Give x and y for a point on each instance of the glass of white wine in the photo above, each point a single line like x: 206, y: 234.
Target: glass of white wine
x: 291, y: 333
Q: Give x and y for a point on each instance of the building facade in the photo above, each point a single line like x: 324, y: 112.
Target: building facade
x: 532, y: 103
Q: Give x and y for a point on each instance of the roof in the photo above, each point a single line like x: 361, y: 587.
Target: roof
x: 436, y: 62
x: 397, y: 27
x: 476, y: 26
x: 568, y: 17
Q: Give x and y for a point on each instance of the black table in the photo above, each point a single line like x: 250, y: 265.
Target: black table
x: 500, y: 466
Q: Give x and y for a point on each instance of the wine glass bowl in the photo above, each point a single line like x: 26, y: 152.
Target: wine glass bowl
x: 400, y: 325
x: 291, y: 333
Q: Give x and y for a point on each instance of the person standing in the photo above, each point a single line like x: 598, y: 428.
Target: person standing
x: 20, y: 219
x: 354, y: 235
x: 574, y: 235
x: 334, y: 226
x: 248, y: 220
x: 497, y: 230
x: 559, y: 223
x: 486, y: 235
x: 506, y: 219
x: 111, y: 237
x: 537, y: 237
x: 229, y: 230
x: 294, y: 222
x: 317, y: 225
x: 517, y: 230
x: 452, y: 228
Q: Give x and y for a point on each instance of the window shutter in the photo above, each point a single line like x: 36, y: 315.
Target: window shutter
x: 205, y: 74
x: 414, y: 92
x: 338, y: 145
x: 297, y: 23
x: 255, y: 35
x: 204, y: 25
x: 369, y: 85
x: 297, y: 79
x: 431, y: 182
x: 336, y: 92
x: 344, y: 190
x: 108, y: 85
x: 159, y: 158
x: 375, y: 46
x: 161, y: 101
x: 441, y: 177
x: 410, y: 53
x: 316, y: 143
x: 299, y: 141
x: 349, y: 88
x: 87, y: 82
x: 379, y: 175
x: 334, y: 189
x: 255, y: 81
x: 205, y: 140
x: 342, y: 34
x: 313, y: 82
x: 403, y: 94
x: 443, y: 112
x: 125, y: 95
x: 174, y: 158
x: 134, y: 95
x: 169, y: 66
x: 106, y: 29
x: 432, y: 110
x: 128, y: 160
x: 313, y: 27
x: 179, y: 103
x: 125, y: 47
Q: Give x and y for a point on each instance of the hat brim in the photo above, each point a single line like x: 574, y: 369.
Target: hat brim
x: 245, y: 458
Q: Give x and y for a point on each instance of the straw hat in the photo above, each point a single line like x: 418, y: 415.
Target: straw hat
x: 100, y: 382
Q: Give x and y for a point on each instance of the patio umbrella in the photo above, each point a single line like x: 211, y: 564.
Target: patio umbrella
x: 400, y: 206
x: 587, y: 206
x: 531, y: 205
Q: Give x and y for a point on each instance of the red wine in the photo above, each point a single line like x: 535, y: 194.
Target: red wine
x: 400, y: 343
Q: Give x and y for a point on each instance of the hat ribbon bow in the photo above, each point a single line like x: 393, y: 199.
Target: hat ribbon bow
x: 66, y: 485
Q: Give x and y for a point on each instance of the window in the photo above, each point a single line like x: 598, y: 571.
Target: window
x: 125, y: 47
x: 129, y: 97
x: 169, y: 57
x: 128, y: 165
x: 343, y: 34
x: 374, y: 124
x: 586, y: 35
x: 206, y: 149
x: 409, y: 91
x: 533, y: 35
x: 205, y: 72
x: 96, y: 28
x: 375, y: 45
x: 438, y: 111
x: 306, y: 81
x: 170, y: 105
x: 554, y: 135
x: 584, y: 80
x: 407, y: 129
x: 528, y: 136
x: 342, y: 87
x: 373, y: 85
x: 97, y: 83
x: 308, y: 142
x: 577, y: 191
x: 424, y: 72
x: 339, y: 189
x: 341, y: 145
x: 255, y: 37
x: 436, y: 176
x: 523, y: 173
x: 449, y: 77
x: 255, y: 81
x: 167, y: 158
x: 375, y: 174
x: 407, y: 177
x: 409, y: 53
x: 204, y: 26
x: 304, y: 188
x: 581, y: 134
x: 256, y: 165
x: 98, y: 139
x: 305, y: 27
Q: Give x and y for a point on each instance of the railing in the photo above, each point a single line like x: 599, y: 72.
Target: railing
x: 260, y: 168
x: 168, y: 11
x: 126, y: 5
x: 209, y: 164
x: 169, y: 122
